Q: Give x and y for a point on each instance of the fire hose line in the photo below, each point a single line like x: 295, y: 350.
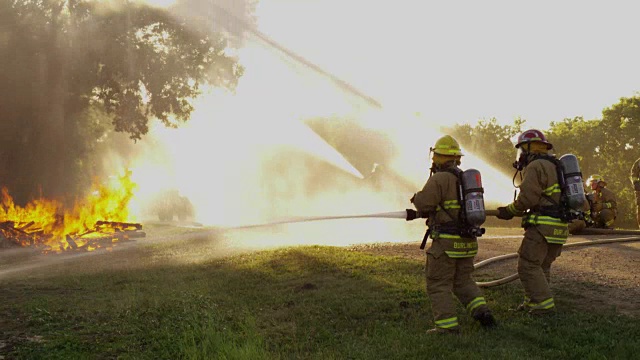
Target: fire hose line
x: 513, y: 277
x: 404, y: 215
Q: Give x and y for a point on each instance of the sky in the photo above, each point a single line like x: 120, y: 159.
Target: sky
x: 460, y: 61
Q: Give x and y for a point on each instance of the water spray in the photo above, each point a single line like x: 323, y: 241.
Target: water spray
x: 345, y: 86
x: 407, y: 214
x: 403, y: 214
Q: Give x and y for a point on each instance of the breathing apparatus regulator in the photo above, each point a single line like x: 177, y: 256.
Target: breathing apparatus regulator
x: 572, y: 197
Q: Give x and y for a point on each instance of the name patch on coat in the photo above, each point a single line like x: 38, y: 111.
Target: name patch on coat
x: 465, y: 245
x: 560, y: 232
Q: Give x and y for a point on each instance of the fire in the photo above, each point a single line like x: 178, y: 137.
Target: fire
x: 107, y: 203
x: 99, y: 220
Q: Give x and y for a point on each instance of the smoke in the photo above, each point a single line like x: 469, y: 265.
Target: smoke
x: 240, y: 168
x: 249, y: 157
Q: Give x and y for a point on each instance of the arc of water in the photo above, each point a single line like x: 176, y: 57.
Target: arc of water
x: 389, y: 215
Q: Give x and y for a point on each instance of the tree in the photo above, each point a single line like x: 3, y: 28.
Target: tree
x: 489, y: 140
x: 575, y: 136
x: 607, y: 147
x: 619, y: 135
x: 74, y: 70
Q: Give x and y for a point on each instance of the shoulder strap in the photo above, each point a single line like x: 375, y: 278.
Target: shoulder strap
x: 458, y: 173
x: 561, y: 205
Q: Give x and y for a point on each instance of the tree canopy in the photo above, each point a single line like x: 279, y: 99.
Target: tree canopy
x: 76, y: 70
x: 606, y: 146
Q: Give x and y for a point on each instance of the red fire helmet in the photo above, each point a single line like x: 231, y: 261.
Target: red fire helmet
x: 533, y: 135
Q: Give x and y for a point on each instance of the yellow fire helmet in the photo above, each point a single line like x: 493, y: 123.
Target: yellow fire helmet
x: 447, y: 145
x: 595, y: 178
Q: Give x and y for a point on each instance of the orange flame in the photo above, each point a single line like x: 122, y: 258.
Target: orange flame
x: 46, y: 222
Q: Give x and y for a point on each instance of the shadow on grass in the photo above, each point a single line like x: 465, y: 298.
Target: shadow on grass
x: 301, y: 302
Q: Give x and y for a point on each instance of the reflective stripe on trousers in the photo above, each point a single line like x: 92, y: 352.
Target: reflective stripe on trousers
x: 475, y: 303
x: 447, y: 323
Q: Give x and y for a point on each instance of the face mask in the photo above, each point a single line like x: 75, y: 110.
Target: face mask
x: 521, y: 159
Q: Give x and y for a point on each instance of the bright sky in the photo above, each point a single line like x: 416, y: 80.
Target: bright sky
x: 454, y: 62
x: 458, y: 61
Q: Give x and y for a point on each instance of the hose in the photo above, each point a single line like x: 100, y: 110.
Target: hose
x: 403, y: 214
x: 513, y: 277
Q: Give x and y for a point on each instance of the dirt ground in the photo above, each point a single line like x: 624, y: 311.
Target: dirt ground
x: 605, y: 276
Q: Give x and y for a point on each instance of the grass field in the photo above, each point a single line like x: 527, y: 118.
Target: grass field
x: 167, y: 300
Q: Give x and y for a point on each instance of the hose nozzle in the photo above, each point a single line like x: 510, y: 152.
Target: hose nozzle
x: 413, y: 214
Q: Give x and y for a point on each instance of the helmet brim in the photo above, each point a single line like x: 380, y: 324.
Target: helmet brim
x: 549, y: 145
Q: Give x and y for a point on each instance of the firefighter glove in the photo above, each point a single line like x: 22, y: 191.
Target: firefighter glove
x: 504, y: 214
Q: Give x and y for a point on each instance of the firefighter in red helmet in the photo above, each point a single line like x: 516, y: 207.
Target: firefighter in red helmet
x: 538, y: 202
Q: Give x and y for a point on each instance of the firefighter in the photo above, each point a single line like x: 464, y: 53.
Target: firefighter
x: 603, y: 203
x: 585, y: 220
x: 635, y: 179
x: 450, y: 257
x: 538, y: 202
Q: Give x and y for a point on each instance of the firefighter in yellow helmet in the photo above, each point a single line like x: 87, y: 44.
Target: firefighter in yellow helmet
x: 635, y: 180
x: 538, y: 202
x: 450, y: 257
x: 604, y: 208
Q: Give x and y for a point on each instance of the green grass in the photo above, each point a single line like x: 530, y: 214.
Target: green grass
x: 295, y: 303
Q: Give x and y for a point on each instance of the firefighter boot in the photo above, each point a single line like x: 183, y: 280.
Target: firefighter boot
x: 486, y: 319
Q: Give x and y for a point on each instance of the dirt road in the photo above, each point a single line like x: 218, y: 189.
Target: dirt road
x: 605, y: 276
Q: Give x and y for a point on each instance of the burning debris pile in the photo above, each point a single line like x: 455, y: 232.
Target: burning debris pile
x: 99, y: 221
x: 104, y: 234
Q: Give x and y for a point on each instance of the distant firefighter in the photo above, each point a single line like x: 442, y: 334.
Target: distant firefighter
x: 585, y: 221
x: 635, y: 179
x: 603, y: 203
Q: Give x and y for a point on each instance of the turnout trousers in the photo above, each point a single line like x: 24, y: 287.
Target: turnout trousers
x: 447, y: 277
x: 534, y: 268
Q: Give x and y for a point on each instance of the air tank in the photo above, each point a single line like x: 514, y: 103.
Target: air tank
x: 574, y: 188
x: 473, y: 197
